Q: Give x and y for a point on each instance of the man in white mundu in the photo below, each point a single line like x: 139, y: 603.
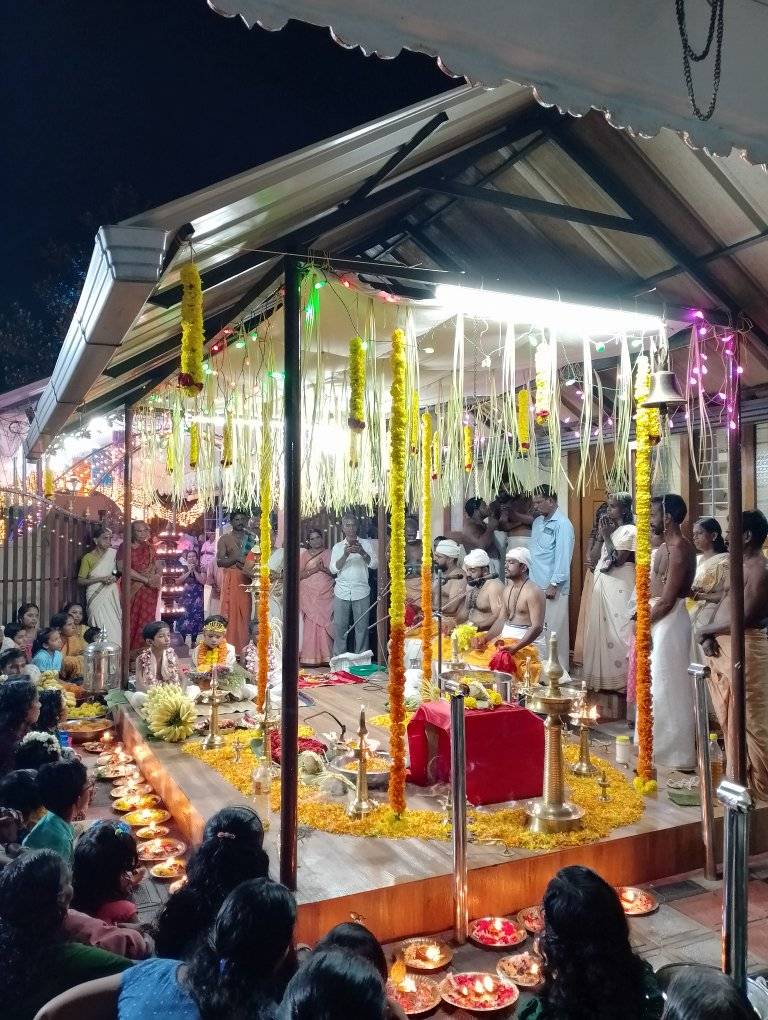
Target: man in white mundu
x: 552, y: 541
x: 522, y: 612
x: 671, y: 687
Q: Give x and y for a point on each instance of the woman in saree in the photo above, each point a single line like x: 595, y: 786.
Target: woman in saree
x: 711, y: 580
x: 144, y: 581
x: 606, y: 638
x: 98, y: 576
x: 72, y: 648
x: 316, y: 600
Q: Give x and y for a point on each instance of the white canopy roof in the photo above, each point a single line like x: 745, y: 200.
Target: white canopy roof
x: 618, y: 56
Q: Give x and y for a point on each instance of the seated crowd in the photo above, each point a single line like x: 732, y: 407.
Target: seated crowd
x: 222, y: 946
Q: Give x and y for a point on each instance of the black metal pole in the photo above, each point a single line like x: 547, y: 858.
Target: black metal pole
x: 737, y: 769
x: 292, y: 460
x: 125, y: 580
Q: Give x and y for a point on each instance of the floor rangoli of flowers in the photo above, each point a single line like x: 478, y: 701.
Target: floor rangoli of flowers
x: 505, y: 826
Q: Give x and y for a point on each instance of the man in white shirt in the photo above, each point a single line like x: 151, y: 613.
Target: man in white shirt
x: 551, y: 548
x: 350, y: 562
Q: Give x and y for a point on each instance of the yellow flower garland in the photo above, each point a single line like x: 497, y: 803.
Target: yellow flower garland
x: 468, y: 448
x: 170, y: 459
x: 435, y: 455
x: 226, y: 442
x: 192, y: 335
x: 523, y: 419
x: 543, y: 361
x: 426, y: 556
x: 265, y: 549
x: 207, y: 657
x: 356, y: 419
x: 397, y: 459
x: 194, y: 444
x: 643, y: 573
x: 506, y: 827
x: 357, y: 348
x: 49, y: 482
x: 414, y: 421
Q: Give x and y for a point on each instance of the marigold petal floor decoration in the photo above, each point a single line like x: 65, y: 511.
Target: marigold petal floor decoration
x: 505, y: 826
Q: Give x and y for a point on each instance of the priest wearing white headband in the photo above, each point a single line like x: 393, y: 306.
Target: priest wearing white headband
x: 522, y: 612
x: 450, y: 578
x: 485, y: 594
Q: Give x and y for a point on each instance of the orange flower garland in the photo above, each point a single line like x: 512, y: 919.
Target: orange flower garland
x: 265, y: 548
x: 468, y: 444
x: 643, y: 574
x: 356, y: 419
x: 398, y: 437
x: 435, y: 455
x: 426, y: 557
x: 207, y: 657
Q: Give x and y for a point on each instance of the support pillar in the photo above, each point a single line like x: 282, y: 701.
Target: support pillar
x: 292, y: 511
x: 125, y: 580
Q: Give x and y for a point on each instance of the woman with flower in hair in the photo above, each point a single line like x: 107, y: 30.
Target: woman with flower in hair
x: 238, y: 971
x: 232, y: 852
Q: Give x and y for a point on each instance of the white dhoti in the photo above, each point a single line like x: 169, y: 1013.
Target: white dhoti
x: 515, y: 633
x: 556, y: 622
x: 674, y: 742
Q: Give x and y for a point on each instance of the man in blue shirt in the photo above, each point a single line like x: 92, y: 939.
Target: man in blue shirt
x: 552, y: 540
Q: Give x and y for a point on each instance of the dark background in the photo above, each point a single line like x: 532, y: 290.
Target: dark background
x: 110, y: 107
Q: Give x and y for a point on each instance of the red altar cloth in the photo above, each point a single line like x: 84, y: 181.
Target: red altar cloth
x: 505, y: 751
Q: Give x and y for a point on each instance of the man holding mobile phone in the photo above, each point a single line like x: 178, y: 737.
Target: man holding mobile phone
x: 351, y: 560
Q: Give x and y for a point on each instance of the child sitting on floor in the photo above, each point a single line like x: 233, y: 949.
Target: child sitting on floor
x: 46, y: 651
x: 157, y: 662
x: 212, y: 650
x: 66, y: 793
x: 106, y: 873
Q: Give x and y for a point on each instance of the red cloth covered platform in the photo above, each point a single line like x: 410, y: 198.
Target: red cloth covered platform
x: 505, y: 751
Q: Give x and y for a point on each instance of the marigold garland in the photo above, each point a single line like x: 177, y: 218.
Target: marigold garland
x: 643, y: 573
x: 523, y: 419
x: 426, y: 556
x: 226, y: 442
x: 397, y: 458
x: 414, y: 421
x: 207, y: 657
x: 357, y: 347
x: 543, y: 362
x: 170, y: 459
x: 356, y: 419
x: 435, y: 455
x: 506, y: 827
x: 265, y: 549
x: 468, y: 445
x: 194, y: 444
x: 49, y: 482
x: 192, y: 334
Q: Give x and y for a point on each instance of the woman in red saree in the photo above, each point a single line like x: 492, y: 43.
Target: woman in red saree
x: 316, y: 600
x: 145, y: 582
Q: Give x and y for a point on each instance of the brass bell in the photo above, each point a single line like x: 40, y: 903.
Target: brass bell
x: 665, y: 390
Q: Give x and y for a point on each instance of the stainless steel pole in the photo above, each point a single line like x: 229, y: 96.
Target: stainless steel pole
x: 459, y: 812
x: 738, y: 803
x: 699, y: 674
x: 439, y: 630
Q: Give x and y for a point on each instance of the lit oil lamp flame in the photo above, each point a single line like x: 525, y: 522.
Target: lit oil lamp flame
x: 534, y: 969
x: 432, y: 953
x: 592, y: 714
x: 489, y: 985
x: 498, y: 924
x: 407, y: 985
x: 107, y: 739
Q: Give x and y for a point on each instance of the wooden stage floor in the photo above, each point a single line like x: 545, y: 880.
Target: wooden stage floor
x: 403, y: 887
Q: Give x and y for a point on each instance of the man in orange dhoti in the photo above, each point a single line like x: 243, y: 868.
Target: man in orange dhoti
x: 716, y: 644
x: 235, y: 600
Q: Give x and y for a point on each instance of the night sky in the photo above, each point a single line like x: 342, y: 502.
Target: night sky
x: 165, y: 97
